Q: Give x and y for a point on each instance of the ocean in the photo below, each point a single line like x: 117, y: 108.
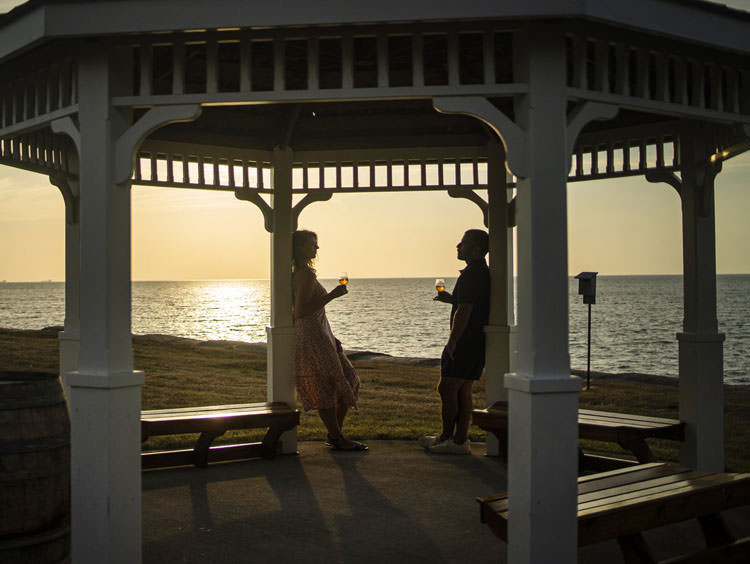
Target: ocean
x: 633, y: 326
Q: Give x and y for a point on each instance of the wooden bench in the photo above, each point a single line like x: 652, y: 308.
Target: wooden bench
x: 212, y: 422
x: 622, y: 503
x: 628, y: 431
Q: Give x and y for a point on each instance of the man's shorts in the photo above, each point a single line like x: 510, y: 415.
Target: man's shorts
x: 466, y: 365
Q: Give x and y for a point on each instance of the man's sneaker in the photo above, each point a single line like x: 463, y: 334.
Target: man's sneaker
x: 450, y: 447
x: 429, y: 440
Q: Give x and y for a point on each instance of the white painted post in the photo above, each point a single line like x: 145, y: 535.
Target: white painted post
x: 105, y: 392
x: 499, y: 331
x: 700, y: 343
x: 543, y: 397
x: 281, y: 332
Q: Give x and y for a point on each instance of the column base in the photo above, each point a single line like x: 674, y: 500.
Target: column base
x: 280, y: 376
x: 542, y: 468
x: 701, y: 400
x: 105, y: 414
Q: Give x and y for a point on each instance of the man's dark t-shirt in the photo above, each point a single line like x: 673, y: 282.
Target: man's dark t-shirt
x: 472, y: 287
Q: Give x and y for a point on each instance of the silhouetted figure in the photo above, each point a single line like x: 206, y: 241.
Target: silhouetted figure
x: 462, y: 361
x: 326, y: 380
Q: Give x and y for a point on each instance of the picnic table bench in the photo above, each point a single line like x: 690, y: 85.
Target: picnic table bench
x: 622, y: 503
x: 212, y: 422
x: 627, y: 430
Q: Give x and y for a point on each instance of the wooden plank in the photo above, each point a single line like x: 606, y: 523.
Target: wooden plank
x: 240, y: 407
x: 180, y: 426
x: 627, y: 430
x: 186, y: 457
x: 620, y: 498
x: 662, y: 509
x: 627, y: 501
x: 617, y: 416
x: 163, y: 416
x: 627, y: 475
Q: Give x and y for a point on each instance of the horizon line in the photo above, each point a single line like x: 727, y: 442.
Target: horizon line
x: 50, y: 281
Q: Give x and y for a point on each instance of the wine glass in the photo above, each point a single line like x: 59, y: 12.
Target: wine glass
x: 343, y: 278
x: 440, y: 285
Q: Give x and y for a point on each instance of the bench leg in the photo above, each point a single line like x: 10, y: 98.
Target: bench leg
x: 715, y: 530
x: 271, y: 439
x: 202, y: 445
x: 637, y: 445
x: 635, y: 550
x: 502, y: 441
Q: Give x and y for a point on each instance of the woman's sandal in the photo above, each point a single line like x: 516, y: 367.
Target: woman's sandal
x: 335, y: 444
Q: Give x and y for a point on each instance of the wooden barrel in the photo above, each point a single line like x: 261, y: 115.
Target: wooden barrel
x: 34, y: 469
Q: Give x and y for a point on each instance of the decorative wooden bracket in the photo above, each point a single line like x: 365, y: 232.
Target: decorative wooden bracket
x: 70, y: 128
x: 581, y: 115
x: 319, y: 196
x: 70, y: 193
x: 252, y: 196
x: 511, y: 135
x: 705, y: 173
x: 130, y: 140
x: 668, y: 177
x: 471, y: 195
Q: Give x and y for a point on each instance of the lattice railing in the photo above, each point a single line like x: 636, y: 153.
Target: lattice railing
x: 388, y: 171
x: 230, y: 65
x: 629, y: 157
x: 614, y: 66
x: 40, y: 151
x: 362, y: 175
x: 36, y: 94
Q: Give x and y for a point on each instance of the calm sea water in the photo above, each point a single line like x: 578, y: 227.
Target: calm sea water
x: 633, y: 322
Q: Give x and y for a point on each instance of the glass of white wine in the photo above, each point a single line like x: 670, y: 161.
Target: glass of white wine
x: 343, y: 278
x: 440, y: 285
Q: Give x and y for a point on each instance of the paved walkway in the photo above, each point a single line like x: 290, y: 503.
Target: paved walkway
x: 393, y: 504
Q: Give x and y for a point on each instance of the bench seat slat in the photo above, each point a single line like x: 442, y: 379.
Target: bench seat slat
x: 627, y: 416
x: 213, y: 421
x: 630, y: 500
x: 608, y: 495
x: 630, y: 431
x: 605, y: 481
x: 619, y: 498
x: 213, y: 410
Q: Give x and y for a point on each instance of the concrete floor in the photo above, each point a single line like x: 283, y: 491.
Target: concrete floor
x: 395, y: 503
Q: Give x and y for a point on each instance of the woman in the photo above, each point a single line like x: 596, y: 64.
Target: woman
x: 326, y: 380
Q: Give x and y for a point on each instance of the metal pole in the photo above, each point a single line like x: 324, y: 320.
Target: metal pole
x: 588, y: 354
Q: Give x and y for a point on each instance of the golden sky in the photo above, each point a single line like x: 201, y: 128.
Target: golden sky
x: 625, y: 226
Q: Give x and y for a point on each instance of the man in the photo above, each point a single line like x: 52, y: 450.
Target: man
x: 462, y: 361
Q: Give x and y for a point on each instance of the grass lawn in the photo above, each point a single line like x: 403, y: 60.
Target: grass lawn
x: 397, y: 400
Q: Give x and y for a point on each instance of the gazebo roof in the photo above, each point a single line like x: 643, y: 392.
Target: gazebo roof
x: 359, y: 77
x: 37, y: 21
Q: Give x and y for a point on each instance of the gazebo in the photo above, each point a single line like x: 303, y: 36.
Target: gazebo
x: 291, y: 103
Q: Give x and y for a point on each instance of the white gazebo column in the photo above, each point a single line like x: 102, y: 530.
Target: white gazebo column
x: 69, y: 338
x: 700, y: 343
x: 543, y: 397
x: 499, y: 332
x: 281, y: 332
x: 105, y: 391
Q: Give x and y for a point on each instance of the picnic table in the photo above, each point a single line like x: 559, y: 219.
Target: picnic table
x: 622, y: 503
x: 627, y: 430
x: 212, y: 422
